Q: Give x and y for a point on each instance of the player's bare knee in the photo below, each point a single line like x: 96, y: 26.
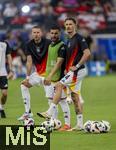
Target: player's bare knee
x: 4, y: 94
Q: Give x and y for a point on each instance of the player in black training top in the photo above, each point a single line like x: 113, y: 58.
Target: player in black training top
x: 36, y: 51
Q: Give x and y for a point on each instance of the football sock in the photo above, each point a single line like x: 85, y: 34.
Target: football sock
x: 80, y: 120
x: 52, y: 109
x: 49, y: 101
x: 66, y: 110
x: 55, y: 114
x: 1, y: 107
x: 26, y: 97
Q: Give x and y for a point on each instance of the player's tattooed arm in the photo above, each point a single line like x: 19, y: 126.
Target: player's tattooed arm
x: 85, y: 57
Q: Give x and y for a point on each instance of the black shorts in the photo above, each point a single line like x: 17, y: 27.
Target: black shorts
x: 3, y: 82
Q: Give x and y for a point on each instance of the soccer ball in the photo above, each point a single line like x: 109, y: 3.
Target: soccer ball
x: 29, y: 122
x: 87, y: 126
x: 100, y: 126
x: 52, y: 124
x: 57, y: 124
x: 107, y: 125
x: 97, y: 126
x: 48, y: 125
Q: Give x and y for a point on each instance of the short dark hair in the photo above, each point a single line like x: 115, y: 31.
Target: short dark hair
x: 55, y: 27
x: 72, y: 19
x: 37, y: 27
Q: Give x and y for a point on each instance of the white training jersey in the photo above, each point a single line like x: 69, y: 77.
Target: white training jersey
x: 4, y: 50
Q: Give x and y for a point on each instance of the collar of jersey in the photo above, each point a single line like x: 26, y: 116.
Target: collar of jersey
x: 53, y: 44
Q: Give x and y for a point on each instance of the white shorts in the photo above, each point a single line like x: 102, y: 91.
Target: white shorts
x: 50, y: 91
x: 36, y: 79
x: 74, y: 82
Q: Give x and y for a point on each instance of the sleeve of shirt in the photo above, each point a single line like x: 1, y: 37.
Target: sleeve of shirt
x: 8, y: 49
x: 83, y: 43
x: 62, y: 51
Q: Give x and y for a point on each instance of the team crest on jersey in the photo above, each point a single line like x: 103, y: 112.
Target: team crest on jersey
x: 83, y: 40
x: 38, y: 49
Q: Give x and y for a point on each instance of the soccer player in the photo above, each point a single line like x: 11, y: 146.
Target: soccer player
x: 36, y: 51
x: 55, y: 71
x: 5, y: 55
x: 77, y: 55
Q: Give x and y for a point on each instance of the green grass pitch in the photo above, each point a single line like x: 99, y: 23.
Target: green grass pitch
x: 99, y: 94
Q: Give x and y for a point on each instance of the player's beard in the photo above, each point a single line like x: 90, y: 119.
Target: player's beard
x: 37, y: 40
x: 54, y: 39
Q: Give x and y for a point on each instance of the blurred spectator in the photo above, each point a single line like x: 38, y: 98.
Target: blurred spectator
x: 48, y: 16
x: 70, y: 2
x: 97, y: 8
x: 15, y: 41
x: 1, y: 19
x: 92, y: 21
x: 54, y: 2
x: 35, y: 11
x: 20, y: 20
x: 1, y: 6
x: 87, y: 35
x: 111, y: 16
x: 10, y: 10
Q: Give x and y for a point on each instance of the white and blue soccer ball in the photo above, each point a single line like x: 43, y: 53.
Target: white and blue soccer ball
x: 52, y: 124
x: 87, y: 126
x: 97, y: 126
x: 57, y: 124
x: 107, y: 126
x: 48, y: 125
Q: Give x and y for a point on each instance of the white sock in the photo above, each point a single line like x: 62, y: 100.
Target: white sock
x: 80, y: 120
x: 55, y: 114
x: 66, y: 110
x: 26, y: 98
x: 1, y: 107
x: 52, y: 109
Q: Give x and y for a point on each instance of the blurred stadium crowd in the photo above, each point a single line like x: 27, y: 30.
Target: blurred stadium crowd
x: 17, y: 18
x: 93, y: 14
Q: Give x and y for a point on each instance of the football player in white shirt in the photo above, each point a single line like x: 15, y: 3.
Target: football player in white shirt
x: 5, y: 55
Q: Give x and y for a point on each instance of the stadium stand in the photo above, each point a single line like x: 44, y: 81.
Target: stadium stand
x: 17, y: 17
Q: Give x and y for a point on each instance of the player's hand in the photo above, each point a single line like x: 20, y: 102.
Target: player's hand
x: 47, y: 81
x: 73, y: 68
x: 10, y: 75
